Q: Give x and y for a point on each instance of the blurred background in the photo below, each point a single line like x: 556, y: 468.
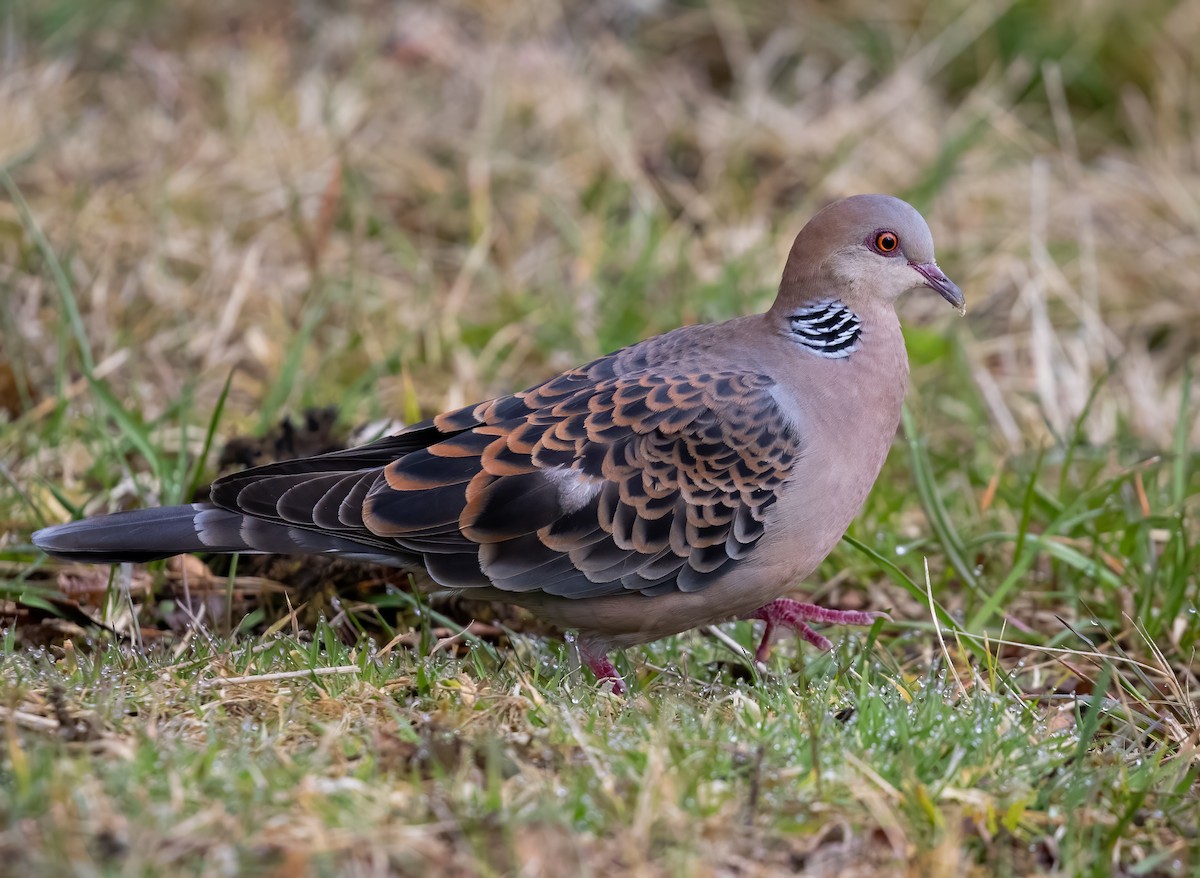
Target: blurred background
x: 399, y: 207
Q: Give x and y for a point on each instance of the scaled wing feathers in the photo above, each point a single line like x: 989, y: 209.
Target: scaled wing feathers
x: 590, y: 484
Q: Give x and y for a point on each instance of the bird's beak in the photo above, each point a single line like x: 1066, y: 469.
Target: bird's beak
x: 936, y: 279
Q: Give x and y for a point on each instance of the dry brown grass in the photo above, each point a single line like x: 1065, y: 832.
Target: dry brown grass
x: 233, y: 167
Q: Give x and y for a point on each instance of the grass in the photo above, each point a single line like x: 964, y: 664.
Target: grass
x: 215, y: 217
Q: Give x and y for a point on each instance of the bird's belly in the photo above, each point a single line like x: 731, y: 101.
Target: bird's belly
x: 624, y: 620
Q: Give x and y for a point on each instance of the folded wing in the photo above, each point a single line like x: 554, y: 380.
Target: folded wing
x: 590, y: 484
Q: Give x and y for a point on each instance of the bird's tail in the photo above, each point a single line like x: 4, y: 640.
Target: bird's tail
x: 161, y: 532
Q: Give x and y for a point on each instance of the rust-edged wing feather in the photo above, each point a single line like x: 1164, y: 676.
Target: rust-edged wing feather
x: 593, y: 483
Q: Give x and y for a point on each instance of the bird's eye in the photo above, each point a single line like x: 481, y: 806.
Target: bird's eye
x: 886, y: 242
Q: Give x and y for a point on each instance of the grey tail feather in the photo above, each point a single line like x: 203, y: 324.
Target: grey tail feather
x: 161, y: 532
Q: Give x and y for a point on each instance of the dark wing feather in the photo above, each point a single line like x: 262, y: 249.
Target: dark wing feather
x: 595, y: 484
x: 325, y: 493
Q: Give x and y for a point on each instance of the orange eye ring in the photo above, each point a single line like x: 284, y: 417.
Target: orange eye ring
x: 886, y: 242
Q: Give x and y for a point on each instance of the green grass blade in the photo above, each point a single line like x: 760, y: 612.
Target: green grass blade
x: 1022, y: 560
x: 1078, y: 434
x: 65, y: 289
x: 278, y: 395
x: 935, y: 510
x: 130, y: 427
x: 904, y: 581
x: 197, y: 476
x: 1090, y: 721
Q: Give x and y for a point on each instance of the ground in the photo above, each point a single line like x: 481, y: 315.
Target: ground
x: 217, y: 217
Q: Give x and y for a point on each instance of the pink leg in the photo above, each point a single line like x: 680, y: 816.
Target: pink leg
x: 597, y: 661
x: 796, y: 615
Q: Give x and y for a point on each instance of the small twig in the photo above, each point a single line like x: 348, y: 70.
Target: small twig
x: 283, y: 675
x: 1057, y: 650
x: 237, y: 654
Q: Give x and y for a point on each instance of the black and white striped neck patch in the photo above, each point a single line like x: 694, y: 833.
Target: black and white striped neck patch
x: 827, y: 328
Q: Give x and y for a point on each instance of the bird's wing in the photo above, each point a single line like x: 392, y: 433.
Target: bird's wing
x: 593, y: 483
x: 582, y: 486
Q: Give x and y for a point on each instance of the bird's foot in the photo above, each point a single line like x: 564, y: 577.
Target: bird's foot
x: 598, y: 662
x: 796, y: 615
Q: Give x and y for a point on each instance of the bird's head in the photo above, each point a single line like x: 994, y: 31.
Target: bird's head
x: 862, y: 248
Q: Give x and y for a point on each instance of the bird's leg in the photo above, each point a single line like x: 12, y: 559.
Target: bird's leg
x: 596, y: 658
x: 796, y: 616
